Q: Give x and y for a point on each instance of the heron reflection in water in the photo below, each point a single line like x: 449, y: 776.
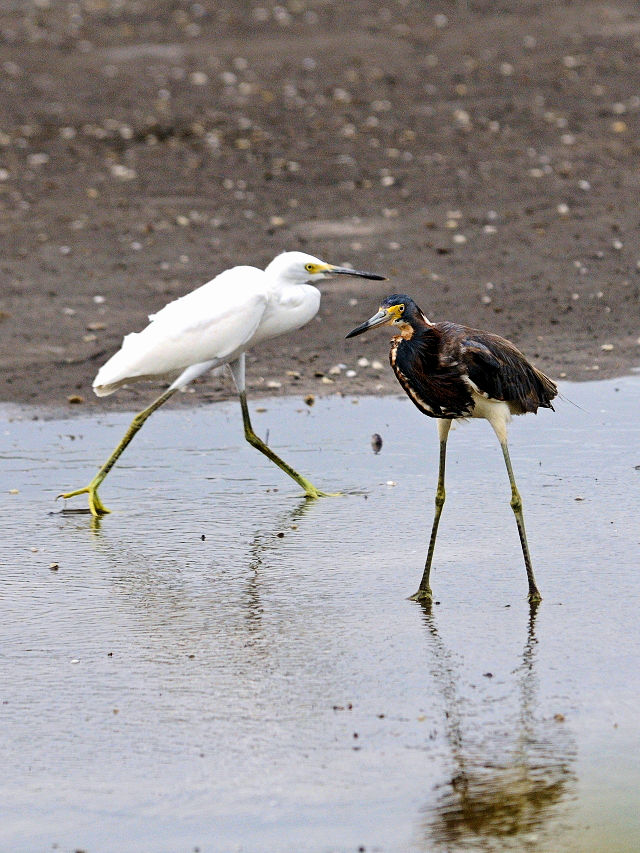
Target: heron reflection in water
x: 508, y: 784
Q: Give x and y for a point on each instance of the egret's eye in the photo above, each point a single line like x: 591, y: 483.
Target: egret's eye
x: 309, y: 267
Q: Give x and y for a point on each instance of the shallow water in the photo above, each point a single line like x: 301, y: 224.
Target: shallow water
x: 220, y: 664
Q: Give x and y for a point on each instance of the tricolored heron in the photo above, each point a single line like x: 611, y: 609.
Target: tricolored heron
x: 212, y: 326
x: 451, y: 371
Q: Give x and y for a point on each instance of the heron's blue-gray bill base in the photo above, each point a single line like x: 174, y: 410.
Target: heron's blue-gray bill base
x: 451, y: 371
x: 212, y: 326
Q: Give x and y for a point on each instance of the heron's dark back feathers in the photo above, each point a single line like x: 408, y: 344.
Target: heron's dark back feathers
x: 441, y: 364
x: 500, y: 370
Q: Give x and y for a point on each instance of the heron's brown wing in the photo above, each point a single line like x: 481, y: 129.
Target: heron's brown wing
x: 431, y: 377
x: 502, y: 372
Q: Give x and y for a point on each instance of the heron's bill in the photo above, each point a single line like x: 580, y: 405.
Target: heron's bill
x: 380, y: 319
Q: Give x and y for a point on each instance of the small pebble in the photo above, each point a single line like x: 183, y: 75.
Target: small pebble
x: 54, y: 567
x: 376, y: 443
x: 310, y: 400
x: 350, y: 374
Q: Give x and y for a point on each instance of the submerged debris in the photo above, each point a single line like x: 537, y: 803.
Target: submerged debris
x: 376, y: 443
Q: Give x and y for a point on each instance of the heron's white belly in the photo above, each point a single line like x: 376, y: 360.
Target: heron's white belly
x: 495, y: 411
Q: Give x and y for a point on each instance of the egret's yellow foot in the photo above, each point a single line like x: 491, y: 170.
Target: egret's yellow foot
x: 96, y: 506
x: 311, y: 491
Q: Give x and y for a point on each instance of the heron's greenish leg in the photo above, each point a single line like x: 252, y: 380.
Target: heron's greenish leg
x: 95, y: 504
x: 516, y: 506
x: 424, y: 591
x: 255, y: 441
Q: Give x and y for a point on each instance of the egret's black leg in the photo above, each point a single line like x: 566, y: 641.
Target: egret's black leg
x: 424, y: 590
x: 516, y: 506
x: 95, y: 504
x: 255, y: 441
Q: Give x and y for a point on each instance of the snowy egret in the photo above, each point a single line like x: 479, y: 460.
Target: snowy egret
x: 212, y: 326
x: 451, y: 371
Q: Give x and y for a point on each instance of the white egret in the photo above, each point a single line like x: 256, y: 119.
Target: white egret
x: 212, y: 326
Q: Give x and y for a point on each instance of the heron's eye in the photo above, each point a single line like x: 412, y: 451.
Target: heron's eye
x: 309, y: 267
x: 401, y: 309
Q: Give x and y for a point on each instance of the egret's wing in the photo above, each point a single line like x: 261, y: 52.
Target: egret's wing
x: 213, y: 323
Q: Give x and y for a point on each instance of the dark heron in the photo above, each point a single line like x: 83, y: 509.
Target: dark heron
x: 450, y: 372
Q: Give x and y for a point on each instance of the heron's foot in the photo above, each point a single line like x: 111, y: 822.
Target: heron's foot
x: 423, y: 595
x: 96, y: 507
x: 534, y: 597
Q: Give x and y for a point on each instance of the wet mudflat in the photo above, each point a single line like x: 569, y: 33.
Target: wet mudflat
x: 222, y: 665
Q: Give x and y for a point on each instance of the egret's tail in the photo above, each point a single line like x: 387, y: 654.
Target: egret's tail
x: 106, y: 389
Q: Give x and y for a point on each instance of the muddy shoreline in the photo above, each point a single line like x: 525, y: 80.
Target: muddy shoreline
x: 485, y: 160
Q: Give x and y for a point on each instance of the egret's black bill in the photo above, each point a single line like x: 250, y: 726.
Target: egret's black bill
x: 378, y: 319
x: 346, y: 271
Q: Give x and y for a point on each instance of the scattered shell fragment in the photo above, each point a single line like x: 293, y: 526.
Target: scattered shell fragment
x: 74, y: 399
x: 123, y: 173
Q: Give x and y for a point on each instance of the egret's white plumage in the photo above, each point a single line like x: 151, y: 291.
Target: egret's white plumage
x: 214, y: 324
x: 211, y: 326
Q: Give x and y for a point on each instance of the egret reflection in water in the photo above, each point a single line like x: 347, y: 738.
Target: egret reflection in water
x: 508, y: 783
